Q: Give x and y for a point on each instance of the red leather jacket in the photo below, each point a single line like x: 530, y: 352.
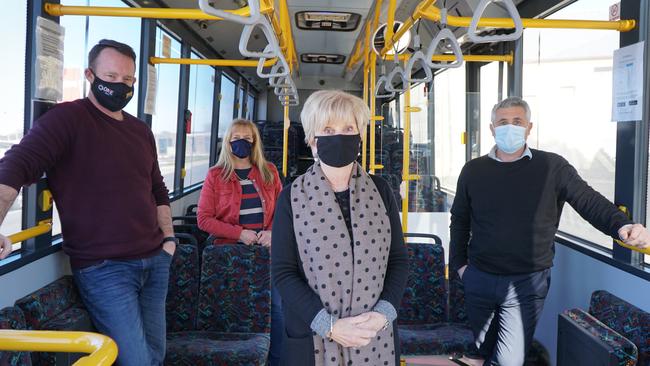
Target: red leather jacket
x: 218, y: 212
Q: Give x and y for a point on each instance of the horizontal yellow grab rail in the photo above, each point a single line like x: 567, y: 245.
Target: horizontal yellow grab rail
x: 210, y: 62
x: 153, y: 13
x: 509, y: 58
x: 631, y: 247
x: 32, y: 232
x: 433, y: 13
x: 102, y: 350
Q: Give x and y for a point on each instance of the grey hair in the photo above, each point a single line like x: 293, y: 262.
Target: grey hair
x: 324, y: 106
x: 510, y: 103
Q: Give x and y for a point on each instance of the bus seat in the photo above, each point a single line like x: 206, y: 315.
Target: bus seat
x: 56, y: 306
x: 233, y: 317
x: 183, y: 290
x: 13, y: 318
x: 626, y: 319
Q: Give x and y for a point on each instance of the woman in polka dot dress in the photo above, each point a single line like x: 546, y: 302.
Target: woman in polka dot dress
x: 338, y: 260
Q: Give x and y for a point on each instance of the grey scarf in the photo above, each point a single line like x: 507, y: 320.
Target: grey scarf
x: 346, y: 273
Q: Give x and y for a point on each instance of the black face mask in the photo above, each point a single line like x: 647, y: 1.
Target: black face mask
x: 112, y: 96
x: 338, y: 150
x: 241, y: 148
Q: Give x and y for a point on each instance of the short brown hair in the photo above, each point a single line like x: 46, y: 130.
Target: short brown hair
x: 122, y: 48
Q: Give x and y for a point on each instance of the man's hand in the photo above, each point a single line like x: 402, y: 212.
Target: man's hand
x: 5, y: 247
x: 461, y: 271
x: 376, y: 321
x: 347, y: 331
x: 169, y: 247
x: 248, y: 237
x: 636, y: 235
x: 264, y: 238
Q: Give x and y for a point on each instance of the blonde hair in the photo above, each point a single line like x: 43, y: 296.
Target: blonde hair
x: 226, y: 160
x: 324, y: 106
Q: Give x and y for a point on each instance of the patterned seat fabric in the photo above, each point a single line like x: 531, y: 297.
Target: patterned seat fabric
x: 435, y: 339
x: 233, y: 311
x: 214, y: 348
x: 425, y: 297
x: 235, y: 289
x: 47, y: 302
x: 183, y: 290
x: 13, y: 318
x: 457, y: 312
x: 56, y: 306
x: 626, y: 319
x: 624, y: 350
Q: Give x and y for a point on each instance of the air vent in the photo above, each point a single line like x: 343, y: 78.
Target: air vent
x: 321, y: 58
x: 327, y: 21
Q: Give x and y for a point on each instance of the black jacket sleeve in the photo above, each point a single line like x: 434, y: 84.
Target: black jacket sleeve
x: 460, y: 227
x: 398, y: 261
x: 591, y: 205
x: 286, y: 266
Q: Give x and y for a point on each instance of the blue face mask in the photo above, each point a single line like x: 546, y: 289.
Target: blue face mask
x: 241, y: 148
x: 510, y: 138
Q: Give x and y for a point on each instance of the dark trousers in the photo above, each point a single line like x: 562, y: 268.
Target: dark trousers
x: 277, y: 327
x: 503, y: 311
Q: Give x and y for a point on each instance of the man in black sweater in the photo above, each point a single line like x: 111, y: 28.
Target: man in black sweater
x: 503, y: 223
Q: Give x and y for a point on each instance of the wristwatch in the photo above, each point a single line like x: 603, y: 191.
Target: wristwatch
x: 170, y: 238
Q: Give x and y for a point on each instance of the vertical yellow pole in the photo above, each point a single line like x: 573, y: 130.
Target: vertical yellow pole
x: 373, y: 71
x: 364, y: 133
x: 406, y: 156
x: 285, y: 138
x: 388, y: 33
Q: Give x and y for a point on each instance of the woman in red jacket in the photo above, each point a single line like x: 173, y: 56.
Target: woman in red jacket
x: 238, y: 200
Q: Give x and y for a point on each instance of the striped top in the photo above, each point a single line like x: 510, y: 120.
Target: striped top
x: 251, y: 214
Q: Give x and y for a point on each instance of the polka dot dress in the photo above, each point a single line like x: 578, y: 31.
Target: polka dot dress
x: 346, y: 271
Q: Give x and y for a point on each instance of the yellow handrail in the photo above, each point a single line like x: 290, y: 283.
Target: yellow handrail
x: 102, y: 349
x: 40, y: 229
x: 211, y: 62
x: 433, y: 13
x: 153, y: 13
x: 631, y: 247
x: 406, y: 156
x: 370, y: 29
x: 408, y: 24
x: 509, y: 58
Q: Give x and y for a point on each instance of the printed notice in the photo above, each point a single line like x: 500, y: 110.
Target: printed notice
x: 152, y: 83
x: 627, y: 93
x: 48, y: 78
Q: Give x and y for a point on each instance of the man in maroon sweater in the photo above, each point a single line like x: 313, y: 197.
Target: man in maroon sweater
x: 103, y: 172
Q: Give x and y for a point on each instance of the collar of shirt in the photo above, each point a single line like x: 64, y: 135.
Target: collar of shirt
x: 493, y: 154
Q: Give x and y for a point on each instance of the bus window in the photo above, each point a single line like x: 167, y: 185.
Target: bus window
x: 164, y: 122
x: 226, y: 105
x: 201, y: 98
x: 568, y: 86
x: 13, y: 20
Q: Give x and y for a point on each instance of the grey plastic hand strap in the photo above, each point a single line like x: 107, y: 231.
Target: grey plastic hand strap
x: 399, y: 72
x: 444, y: 33
x: 280, y: 82
x: 280, y: 69
x: 514, y: 14
x: 271, y: 50
x: 380, y: 81
x: 254, y: 6
x: 418, y: 56
x: 288, y: 90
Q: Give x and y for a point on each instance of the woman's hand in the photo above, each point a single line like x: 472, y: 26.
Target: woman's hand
x: 348, y: 333
x: 376, y: 321
x: 264, y: 238
x: 248, y: 237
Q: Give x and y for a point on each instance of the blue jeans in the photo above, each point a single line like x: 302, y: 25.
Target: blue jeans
x: 277, y: 327
x: 126, y: 301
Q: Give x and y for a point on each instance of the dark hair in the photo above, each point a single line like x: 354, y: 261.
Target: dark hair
x: 122, y: 48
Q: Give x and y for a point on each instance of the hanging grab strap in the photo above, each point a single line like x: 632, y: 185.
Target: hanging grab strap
x: 444, y: 33
x: 514, y: 14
